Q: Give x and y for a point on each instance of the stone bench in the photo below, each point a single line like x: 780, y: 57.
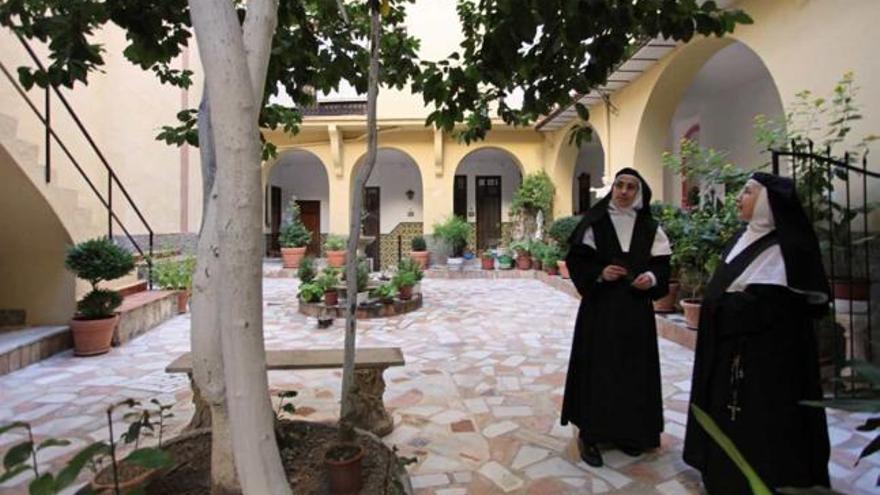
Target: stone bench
x: 370, y: 363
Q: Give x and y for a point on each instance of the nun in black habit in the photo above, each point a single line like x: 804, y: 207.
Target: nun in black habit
x: 756, y: 355
x: 619, y: 262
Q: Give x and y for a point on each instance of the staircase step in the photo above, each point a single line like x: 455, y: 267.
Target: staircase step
x: 26, y: 346
x: 142, y: 311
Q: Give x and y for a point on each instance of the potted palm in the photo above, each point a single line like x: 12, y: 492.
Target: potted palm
x: 294, y: 238
x: 95, y: 261
x: 560, y: 231
x: 455, y: 232
x: 334, y: 251
x: 176, y: 274
x: 420, y: 251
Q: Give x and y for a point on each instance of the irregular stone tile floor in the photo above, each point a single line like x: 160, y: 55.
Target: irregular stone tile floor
x: 477, y: 403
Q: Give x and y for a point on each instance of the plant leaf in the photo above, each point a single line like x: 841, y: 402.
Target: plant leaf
x: 17, y: 454
x: 723, y: 441
x: 149, y: 457
x: 12, y: 473
x: 872, y: 447
x: 851, y: 405
x: 53, y: 442
x: 44, y: 485
x: 77, y: 463
x: 12, y: 426
x: 870, y: 425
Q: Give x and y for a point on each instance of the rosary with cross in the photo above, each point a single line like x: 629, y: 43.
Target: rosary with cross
x: 736, y: 375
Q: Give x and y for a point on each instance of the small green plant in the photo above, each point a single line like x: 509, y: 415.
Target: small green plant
x: 294, y: 234
x: 522, y: 248
x: 418, y: 243
x: 334, y: 243
x: 412, y: 266
x: 535, y: 193
x: 328, y: 280
x: 709, y: 168
x: 455, y: 232
x: 310, y: 292
x: 561, y: 229
x: 288, y: 408
x: 488, y: 255
x: 404, y: 279
x: 505, y: 261
x: 673, y: 221
x: 98, y: 260
x: 550, y: 256
x: 384, y: 292
x: 175, y: 274
x: 306, y: 271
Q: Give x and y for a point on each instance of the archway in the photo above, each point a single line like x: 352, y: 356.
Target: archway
x: 483, y: 187
x: 392, y: 206
x: 301, y: 175
x: 587, y: 174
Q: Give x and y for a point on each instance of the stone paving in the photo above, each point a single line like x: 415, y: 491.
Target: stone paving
x: 477, y: 403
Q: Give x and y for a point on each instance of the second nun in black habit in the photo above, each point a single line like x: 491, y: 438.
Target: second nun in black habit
x: 756, y: 355
x: 619, y: 262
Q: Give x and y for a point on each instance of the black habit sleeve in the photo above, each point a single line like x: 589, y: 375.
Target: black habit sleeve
x: 584, y: 267
x: 659, y: 266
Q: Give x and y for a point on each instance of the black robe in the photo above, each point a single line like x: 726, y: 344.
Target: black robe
x: 768, y: 331
x: 612, y: 391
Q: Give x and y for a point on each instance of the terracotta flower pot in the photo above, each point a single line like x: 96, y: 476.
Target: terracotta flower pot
x: 854, y: 289
x: 666, y: 304
x: 487, y: 263
x: 331, y: 298
x: 524, y: 262
x: 92, y: 337
x: 536, y: 264
x: 551, y: 270
x: 405, y: 293
x: 290, y: 257
x: 336, y: 259
x: 563, y: 270
x: 691, y: 309
x: 345, y: 474
x: 182, y: 300
x: 421, y: 257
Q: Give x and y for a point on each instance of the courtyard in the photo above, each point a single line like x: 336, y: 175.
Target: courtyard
x: 477, y: 402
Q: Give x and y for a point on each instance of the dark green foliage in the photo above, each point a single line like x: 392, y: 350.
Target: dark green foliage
x: 328, y: 280
x: 306, y: 271
x: 294, y: 234
x: 310, y: 292
x: 535, y: 193
x: 418, y: 243
x: 289, y: 408
x: 455, y: 232
x: 404, y: 279
x: 411, y: 266
x: 334, y: 243
x: 561, y: 229
x: 385, y: 291
x: 97, y: 260
x: 98, y: 304
x: 174, y: 274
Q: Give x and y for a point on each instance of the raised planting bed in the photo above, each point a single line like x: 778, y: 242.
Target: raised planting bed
x: 370, y: 309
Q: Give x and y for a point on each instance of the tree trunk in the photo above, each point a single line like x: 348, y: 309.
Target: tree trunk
x: 238, y: 187
x: 346, y: 428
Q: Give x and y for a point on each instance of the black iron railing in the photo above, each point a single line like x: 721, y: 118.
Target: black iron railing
x: 112, y: 178
x: 826, y: 185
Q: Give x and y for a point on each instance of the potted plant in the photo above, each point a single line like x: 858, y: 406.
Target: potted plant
x: 343, y: 461
x: 523, y: 254
x: 550, y: 259
x: 306, y: 270
x: 404, y: 281
x: 310, y: 292
x: 560, y: 231
x: 176, y: 274
x: 420, y: 251
x: 532, y: 198
x: 294, y: 238
x: 410, y: 265
x: 487, y: 260
x: 95, y: 261
x: 455, y: 232
x: 327, y: 281
x: 385, y: 293
x: 363, y: 280
x: 334, y: 251
x: 672, y: 219
x: 505, y: 261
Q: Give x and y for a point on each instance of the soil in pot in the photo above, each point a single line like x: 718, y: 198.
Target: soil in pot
x: 302, y: 446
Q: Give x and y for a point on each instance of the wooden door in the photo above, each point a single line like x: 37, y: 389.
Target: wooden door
x: 488, y: 211
x: 459, y: 197
x: 372, y: 224
x: 583, y: 193
x: 310, y: 215
x: 274, y: 248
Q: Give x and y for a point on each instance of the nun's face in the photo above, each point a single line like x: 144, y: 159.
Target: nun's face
x: 745, y: 201
x: 624, y: 191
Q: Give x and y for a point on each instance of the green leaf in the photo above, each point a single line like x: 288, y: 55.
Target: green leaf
x: 44, y: 485
x: 18, y: 454
x: 12, y: 426
x: 723, y: 441
x: 149, y: 457
x: 52, y: 442
x: 12, y: 473
x: 870, y: 425
x: 851, y: 405
x: 872, y: 447
x: 70, y: 472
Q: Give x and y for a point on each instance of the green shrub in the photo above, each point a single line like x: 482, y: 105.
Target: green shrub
x: 524, y: 246
x: 535, y: 193
x: 412, y: 266
x: 363, y: 275
x: 455, y: 232
x: 384, y: 291
x: 418, y: 243
x: 174, y: 274
x: 328, y: 280
x: 310, y: 292
x: 404, y: 279
x: 98, y: 260
x: 334, y: 243
x: 550, y: 256
x: 294, y: 234
x: 561, y: 229
x: 306, y: 271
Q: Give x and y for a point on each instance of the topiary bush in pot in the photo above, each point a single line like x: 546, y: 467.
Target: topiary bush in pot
x: 294, y: 237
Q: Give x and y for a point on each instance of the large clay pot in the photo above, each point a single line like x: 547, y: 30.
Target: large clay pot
x: 853, y: 289
x: 345, y: 475
x: 421, y: 257
x: 405, y: 292
x: 336, y: 259
x: 487, y: 263
x: 523, y: 262
x: 182, y: 300
x: 691, y: 309
x: 92, y: 337
x: 563, y: 270
x: 290, y: 257
x: 666, y: 304
x: 331, y: 298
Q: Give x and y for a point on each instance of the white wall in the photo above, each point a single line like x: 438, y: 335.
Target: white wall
x: 590, y: 160
x: 490, y: 162
x: 301, y: 174
x: 394, y: 174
